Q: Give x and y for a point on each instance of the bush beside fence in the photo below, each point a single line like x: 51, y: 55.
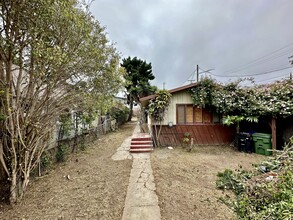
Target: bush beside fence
x: 58, y: 150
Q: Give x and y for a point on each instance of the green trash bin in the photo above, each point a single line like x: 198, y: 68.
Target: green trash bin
x: 262, y: 143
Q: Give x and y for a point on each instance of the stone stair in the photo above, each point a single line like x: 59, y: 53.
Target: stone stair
x: 141, y: 143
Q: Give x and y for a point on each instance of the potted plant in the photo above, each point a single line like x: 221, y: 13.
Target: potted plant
x: 186, y: 138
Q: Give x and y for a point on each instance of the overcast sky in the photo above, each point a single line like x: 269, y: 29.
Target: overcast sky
x: 233, y: 37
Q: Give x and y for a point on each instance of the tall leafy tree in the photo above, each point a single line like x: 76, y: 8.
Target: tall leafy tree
x: 138, y: 75
x: 47, y: 48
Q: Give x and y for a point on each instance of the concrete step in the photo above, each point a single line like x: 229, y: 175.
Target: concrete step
x: 141, y: 143
x: 141, y: 139
x: 140, y: 146
x: 141, y: 150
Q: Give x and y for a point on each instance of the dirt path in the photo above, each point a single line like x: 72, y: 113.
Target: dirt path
x: 186, y: 181
x: 96, y: 189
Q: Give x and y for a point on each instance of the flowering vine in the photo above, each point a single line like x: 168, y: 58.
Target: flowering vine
x: 231, y: 99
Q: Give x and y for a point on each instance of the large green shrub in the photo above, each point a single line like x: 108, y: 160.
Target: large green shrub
x: 120, y: 113
x: 265, y: 193
x: 231, y: 99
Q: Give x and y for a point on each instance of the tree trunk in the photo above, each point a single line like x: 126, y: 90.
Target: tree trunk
x: 24, y: 184
x: 131, y: 109
x: 13, y: 187
x: 17, y: 187
x: 142, y: 120
x: 4, y: 183
x: 156, y: 136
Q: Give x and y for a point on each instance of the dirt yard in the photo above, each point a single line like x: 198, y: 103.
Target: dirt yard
x: 186, y: 181
x: 96, y: 188
x: 90, y: 185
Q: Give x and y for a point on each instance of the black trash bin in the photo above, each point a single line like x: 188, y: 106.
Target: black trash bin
x: 245, y: 142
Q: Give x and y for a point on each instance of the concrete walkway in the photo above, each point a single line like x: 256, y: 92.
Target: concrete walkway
x: 122, y: 152
x: 141, y: 201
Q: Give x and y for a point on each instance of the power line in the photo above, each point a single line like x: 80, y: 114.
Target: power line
x: 269, y: 57
x: 189, y: 77
x: 260, y: 81
x: 192, y: 75
x: 255, y: 74
x: 259, y: 60
x: 273, y: 58
x: 264, y: 61
x: 272, y: 78
x: 261, y: 57
x: 205, y: 71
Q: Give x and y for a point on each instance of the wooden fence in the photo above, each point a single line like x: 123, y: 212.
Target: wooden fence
x: 202, y: 134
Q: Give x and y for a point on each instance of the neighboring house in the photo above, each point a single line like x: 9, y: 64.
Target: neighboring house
x: 121, y: 100
x: 203, y: 124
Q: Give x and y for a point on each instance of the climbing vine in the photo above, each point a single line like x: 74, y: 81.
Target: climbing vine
x: 159, y: 105
x: 204, y: 92
x: 157, y: 108
x: 231, y: 99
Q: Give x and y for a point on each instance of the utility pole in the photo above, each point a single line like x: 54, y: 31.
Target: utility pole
x: 290, y: 76
x: 197, y: 73
x: 191, y: 80
x: 164, y: 85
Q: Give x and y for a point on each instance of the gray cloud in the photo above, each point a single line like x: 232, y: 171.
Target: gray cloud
x: 176, y: 35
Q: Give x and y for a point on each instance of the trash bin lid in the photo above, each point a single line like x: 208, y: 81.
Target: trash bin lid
x: 262, y: 135
x: 244, y: 134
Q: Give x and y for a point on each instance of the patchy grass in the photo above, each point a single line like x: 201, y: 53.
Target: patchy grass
x: 186, y: 181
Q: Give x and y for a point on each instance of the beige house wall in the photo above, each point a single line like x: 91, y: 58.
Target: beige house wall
x: 181, y: 97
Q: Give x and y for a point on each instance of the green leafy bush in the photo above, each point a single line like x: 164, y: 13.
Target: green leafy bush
x: 61, y: 153
x: 159, y: 105
x: 204, y: 92
x: 266, y: 192
x: 228, y: 180
x: 186, y: 138
x: 46, y: 160
x: 120, y: 113
x: 157, y: 108
x: 66, y: 124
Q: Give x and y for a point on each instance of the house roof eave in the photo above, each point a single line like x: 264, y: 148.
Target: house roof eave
x: 178, y: 89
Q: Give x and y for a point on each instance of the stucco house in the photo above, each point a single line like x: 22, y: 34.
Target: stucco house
x: 203, y: 124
